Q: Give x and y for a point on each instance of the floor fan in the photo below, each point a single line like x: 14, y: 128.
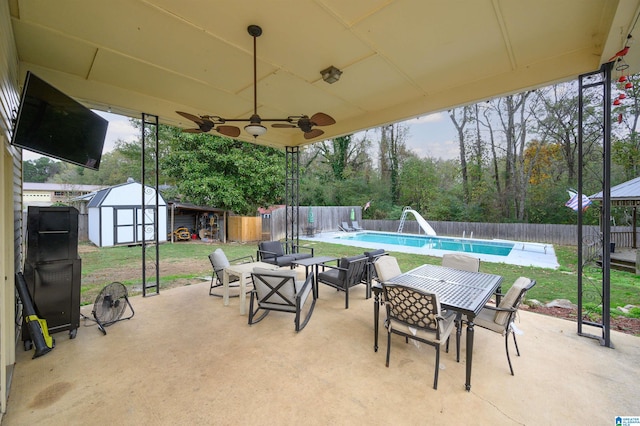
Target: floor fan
x: 110, y: 305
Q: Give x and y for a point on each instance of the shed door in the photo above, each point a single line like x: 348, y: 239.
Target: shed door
x: 124, y: 226
x: 128, y: 225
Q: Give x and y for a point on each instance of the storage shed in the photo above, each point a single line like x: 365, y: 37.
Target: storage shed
x: 208, y: 223
x: 115, y: 215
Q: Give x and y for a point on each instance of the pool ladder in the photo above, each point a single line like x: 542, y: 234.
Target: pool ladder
x: 403, y: 218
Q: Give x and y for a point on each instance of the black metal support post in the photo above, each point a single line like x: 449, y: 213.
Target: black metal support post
x: 292, y: 216
x: 598, y: 85
x: 150, y: 209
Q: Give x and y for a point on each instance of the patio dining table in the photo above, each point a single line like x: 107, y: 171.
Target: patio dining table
x: 463, y: 292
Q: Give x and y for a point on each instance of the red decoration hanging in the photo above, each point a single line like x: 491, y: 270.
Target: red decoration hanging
x: 629, y: 85
x: 622, y: 79
x: 622, y: 96
x: 617, y: 102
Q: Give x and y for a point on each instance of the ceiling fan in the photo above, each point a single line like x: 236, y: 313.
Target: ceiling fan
x: 255, y: 128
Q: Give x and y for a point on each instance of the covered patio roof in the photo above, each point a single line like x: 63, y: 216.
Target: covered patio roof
x: 400, y: 59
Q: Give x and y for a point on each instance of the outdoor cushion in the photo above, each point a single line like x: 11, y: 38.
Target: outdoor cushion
x: 461, y: 261
x: 446, y: 325
x: 338, y: 276
x: 330, y: 275
x: 510, y: 298
x: 487, y: 319
x: 298, y: 256
x: 345, y: 261
x: 220, y: 259
x: 386, y: 268
x: 286, y: 291
x: 278, y: 272
x: 374, y: 253
x: 280, y: 260
x: 274, y: 247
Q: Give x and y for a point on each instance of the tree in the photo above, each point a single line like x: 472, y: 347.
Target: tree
x: 221, y: 172
x: 40, y: 170
x: 393, y: 152
x: 344, y: 155
x: 460, y: 117
x: 419, y: 184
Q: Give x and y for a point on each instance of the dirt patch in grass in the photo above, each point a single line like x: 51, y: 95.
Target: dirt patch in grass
x: 618, y: 323
x: 93, y: 283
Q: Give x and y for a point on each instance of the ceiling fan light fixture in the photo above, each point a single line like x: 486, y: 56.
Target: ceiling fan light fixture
x: 255, y: 130
x: 331, y: 74
x: 206, y: 123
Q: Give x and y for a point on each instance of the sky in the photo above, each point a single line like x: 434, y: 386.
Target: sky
x: 434, y: 136
x: 429, y: 136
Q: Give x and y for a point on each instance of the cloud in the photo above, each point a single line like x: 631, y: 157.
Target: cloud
x: 431, y: 118
x: 433, y: 136
x: 119, y: 129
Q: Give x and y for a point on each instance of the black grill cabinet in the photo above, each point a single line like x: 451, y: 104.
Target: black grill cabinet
x: 53, y: 269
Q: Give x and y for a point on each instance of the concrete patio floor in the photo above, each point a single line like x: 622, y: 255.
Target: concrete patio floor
x: 184, y: 358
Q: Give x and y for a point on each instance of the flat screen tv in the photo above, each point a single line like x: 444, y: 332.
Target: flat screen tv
x: 52, y: 124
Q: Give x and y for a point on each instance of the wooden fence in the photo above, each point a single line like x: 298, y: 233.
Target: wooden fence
x: 327, y: 219
x: 538, y: 233
x: 244, y: 228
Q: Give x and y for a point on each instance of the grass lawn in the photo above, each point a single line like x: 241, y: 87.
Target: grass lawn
x: 183, y: 262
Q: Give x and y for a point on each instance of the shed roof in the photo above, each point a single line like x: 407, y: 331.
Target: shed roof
x: 99, y: 196
x: 193, y: 207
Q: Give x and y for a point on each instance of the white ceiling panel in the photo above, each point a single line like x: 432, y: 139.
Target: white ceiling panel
x: 400, y: 58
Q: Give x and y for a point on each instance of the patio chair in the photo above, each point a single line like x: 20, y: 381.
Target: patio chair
x: 461, y: 261
x: 219, y: 261
x: 416, y: 314
x: 280, y: 291
x: 370, y: 273
x: 345, y: 227
x: 386, y: 268
x: 356, y: 226
x: 274, y: 252
x: 500, y: 319
x: 348, y: 274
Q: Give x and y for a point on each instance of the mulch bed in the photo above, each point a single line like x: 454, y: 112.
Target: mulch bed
x: 621, y: 324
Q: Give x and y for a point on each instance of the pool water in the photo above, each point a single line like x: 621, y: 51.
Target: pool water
x: 496, y: 248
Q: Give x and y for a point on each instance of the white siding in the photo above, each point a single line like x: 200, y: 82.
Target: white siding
x: 106, y: 226
x: 11, y: 199
x: 162, y: 223
x: 94, y: 225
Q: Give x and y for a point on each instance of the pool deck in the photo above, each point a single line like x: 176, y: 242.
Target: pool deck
x: 523, y: 254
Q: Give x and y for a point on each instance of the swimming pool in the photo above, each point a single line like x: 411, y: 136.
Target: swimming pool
x: 495, y: 251
x: 500, y: 248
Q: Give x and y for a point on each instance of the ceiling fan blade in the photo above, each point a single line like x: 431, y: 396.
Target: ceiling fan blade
x: 322, y: 119
x: 313, y: 133
x: 284, y: 126
x: 191, y: 117
x: 231, y: 131
x: 192, y: 131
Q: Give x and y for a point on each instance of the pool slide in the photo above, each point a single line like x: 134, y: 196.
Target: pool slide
x: 421, y: 221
